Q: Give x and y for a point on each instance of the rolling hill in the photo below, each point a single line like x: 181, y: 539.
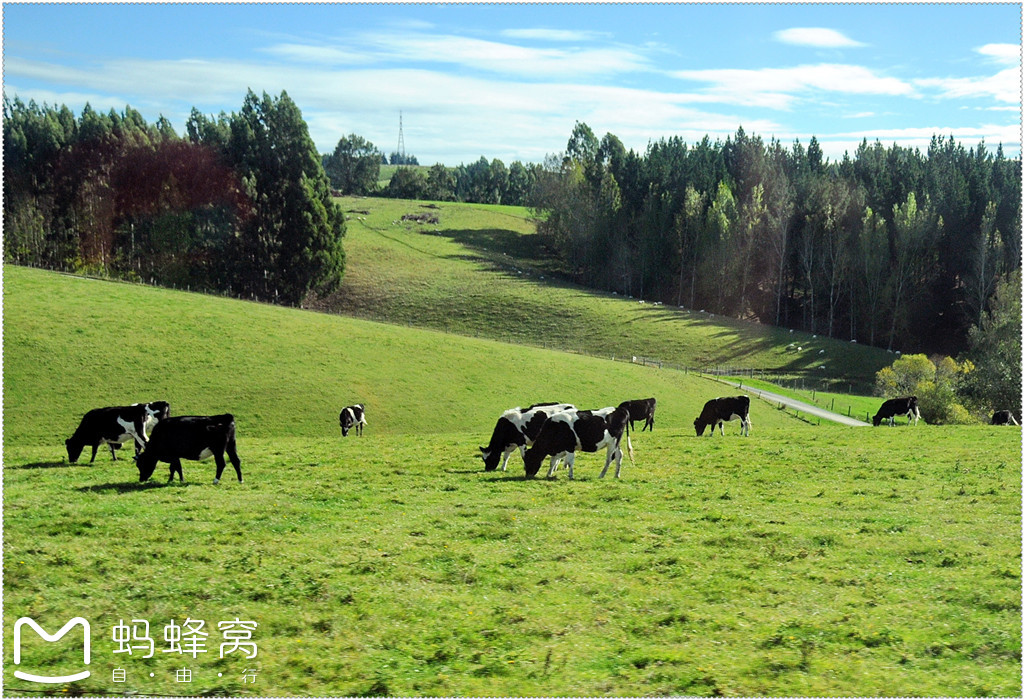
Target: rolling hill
x: 481, y: 271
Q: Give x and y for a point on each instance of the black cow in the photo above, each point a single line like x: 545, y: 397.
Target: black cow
x: 640, y: 409
x: 114, y: 426
x: 517, y: 428
x: 1004, y: 418
x: 352, y: 417
x: 566, y: 431
x: 190, y: 437
x: 903, y: 406
x: 717, y: 411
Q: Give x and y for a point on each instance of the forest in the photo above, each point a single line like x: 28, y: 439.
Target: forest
x: 240, y: 205
x: 888, y: 246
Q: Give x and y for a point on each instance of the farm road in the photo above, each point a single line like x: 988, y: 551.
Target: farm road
x: 799, y: 405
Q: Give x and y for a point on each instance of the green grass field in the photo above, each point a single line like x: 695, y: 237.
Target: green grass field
x: 482, y: 270
x: 802, y: 560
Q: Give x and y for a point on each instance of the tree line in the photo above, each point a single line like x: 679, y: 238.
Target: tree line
x: 889, y: 246
x: 354, y: 169
x: 240, y: 204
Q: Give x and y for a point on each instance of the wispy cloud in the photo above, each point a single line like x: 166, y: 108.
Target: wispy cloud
x: 563, y: 35
x: 1003, y: 86
x: 505, y: 58
x: 323, y: 55
x: 816, y: 37
x: 778, y: 88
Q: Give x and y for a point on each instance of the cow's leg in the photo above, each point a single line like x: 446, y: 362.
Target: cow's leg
x: 176, y: 467
x: 113, y: 455
x: 609, y: 456
x: 618, y: 460
x: 553, y: 466
x: 218, y: 457
x: 232, y: 451
x: 721, y: 428
x: 508, y: 453
x: 570, y: 459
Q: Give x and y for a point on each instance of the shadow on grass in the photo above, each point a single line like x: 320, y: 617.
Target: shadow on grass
x: 127, y: 486
x: 61, y: 464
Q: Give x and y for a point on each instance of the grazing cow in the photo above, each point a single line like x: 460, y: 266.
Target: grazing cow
x: 352, y: 417
x: 567, y: 431
x: 717, y: 411
x: 903, y: 406
x: 190, y: 437
x: 517, y: 428
x: 114, y: 426
x: 1004, y: 418
x: 640, y: 409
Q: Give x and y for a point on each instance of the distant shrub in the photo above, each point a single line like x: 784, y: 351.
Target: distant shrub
x: 933, y: 381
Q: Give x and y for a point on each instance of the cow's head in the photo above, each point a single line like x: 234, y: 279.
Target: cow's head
x: 347, y: 420
x: 699, y: 425
x: 158, y: 410
x: 877, y: 420
x: 490, y: 458
x: 146, y: 462
x: 532, y: 460
x: 74, y: 449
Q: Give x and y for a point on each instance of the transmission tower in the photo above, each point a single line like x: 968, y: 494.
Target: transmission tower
x: 401, y: 140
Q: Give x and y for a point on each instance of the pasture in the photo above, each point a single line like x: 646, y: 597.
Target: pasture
x: 802, y: 560
x: 482, y: 271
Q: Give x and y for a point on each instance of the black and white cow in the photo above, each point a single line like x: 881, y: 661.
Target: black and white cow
x: 517, y: 428
x: 1004, y: 418
x: 190, y: 437
x: 352, y: 417
x: 903, y: 406
x: 114, y: 426
x: 640, y: 409
x: 589, y: 431
x: 717, y: 411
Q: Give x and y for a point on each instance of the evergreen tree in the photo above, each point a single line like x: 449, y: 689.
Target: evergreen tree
x: 354, y: 167
x: 291, y: 242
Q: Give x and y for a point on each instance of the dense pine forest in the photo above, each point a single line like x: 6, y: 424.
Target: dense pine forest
x: 887, y: 246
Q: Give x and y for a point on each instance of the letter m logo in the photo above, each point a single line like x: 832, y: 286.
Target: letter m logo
x: 50, y: 638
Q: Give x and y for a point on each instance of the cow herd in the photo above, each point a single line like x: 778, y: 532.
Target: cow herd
x: 546, y: 430
x: 172, y: 439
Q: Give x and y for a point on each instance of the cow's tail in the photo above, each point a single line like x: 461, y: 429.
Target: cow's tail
x: 629, y: 445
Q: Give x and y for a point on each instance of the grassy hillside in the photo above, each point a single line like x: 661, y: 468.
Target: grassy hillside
x: 800, y: 561
x: 72, y: 344
x: 482, y: 271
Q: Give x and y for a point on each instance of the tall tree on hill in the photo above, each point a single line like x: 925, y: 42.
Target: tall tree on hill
x: 995, y: 350
x: 354, y: 167
x: 290, y: 244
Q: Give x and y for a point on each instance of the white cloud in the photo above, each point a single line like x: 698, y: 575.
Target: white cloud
x: 503, y: 58
x: 566, y: 35
x: 1003, y: 86
x: 1002, y: 53
x: 777, y: 87
x: 324, y: 55
x: 817, y: 37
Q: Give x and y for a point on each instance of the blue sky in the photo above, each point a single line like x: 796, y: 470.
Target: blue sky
x: 510, y: 81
